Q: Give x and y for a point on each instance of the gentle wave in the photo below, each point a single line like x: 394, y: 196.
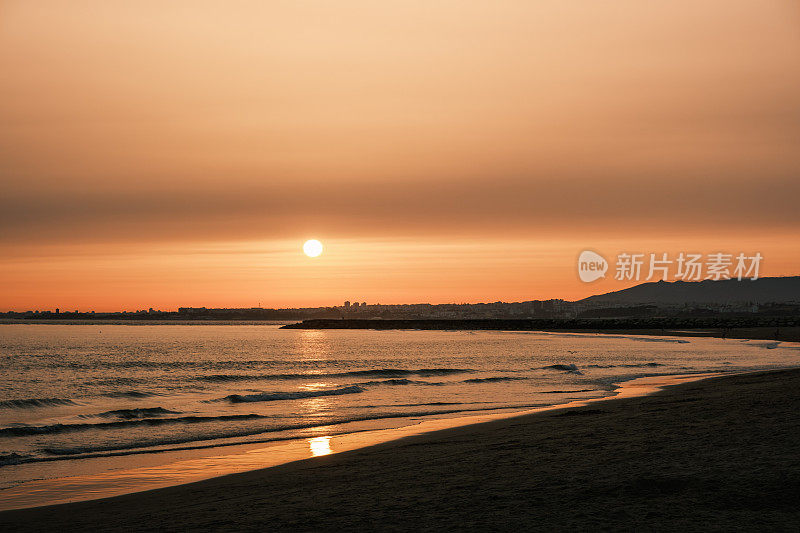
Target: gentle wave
x: 169, y: 365
x: 378, y: 373
x: 608, y: 336
x: 21, y: 431
x: 71, y: 452
x: 404, y: 381
x: 14, y: 458
x: 131, y: 414
x: 400, y: 381
x: 567, y: 391
x: 570, y: 368
x: 439, y: 403
x: 275, y: 396
x: 223, y: 378
x: 120, y: 381
x: 34, y: 402
x: 494, y: 379
x: 630, y: 365
x: 131, y: 394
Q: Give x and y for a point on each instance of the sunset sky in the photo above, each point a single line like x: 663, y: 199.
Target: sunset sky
x: 165, y: 154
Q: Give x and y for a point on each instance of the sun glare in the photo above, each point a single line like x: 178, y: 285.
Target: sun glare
x: 312, y: 248
x: 320, y: 446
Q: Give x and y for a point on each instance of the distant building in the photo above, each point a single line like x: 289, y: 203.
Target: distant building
x: 191, y: 310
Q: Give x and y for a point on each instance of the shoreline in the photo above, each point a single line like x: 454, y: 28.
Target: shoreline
x: 717, y: 453
x: 783, y: 330
x: 246, y: 457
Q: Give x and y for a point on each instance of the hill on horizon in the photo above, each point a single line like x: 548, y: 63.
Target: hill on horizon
x: 762, y: 290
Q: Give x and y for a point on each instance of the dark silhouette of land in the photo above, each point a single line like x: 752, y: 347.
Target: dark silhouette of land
x: 708, y: 292
x: 713, y: 455
x: 775, y: 328
x: 767, y: 308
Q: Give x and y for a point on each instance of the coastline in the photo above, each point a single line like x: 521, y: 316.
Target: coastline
x: 198, y: 463
x: 610, y: 430
x: 784, y: 330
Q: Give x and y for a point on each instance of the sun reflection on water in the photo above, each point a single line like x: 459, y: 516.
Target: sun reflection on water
x: 319, y: 446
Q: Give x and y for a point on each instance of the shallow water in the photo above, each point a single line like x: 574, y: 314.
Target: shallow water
x: 198, y: 466
x: 75, y: 395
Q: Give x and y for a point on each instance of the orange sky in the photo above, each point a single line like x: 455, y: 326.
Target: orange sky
x: 178, y: 153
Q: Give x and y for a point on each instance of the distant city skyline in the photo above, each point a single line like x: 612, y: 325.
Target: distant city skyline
x: 742, y: 296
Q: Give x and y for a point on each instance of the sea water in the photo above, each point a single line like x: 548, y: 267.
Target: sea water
x: 70, y: 394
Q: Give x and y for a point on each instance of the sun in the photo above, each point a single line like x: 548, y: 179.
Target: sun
x: 312, y: 248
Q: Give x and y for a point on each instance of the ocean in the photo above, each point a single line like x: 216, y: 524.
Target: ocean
x: 70, y: 394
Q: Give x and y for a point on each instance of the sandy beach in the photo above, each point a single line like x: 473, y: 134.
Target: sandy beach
x: 717, y: 454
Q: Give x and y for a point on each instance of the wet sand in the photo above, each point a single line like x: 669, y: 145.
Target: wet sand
x: 717, y: 454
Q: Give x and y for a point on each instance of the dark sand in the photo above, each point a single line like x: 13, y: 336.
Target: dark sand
x: 719, y: 454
